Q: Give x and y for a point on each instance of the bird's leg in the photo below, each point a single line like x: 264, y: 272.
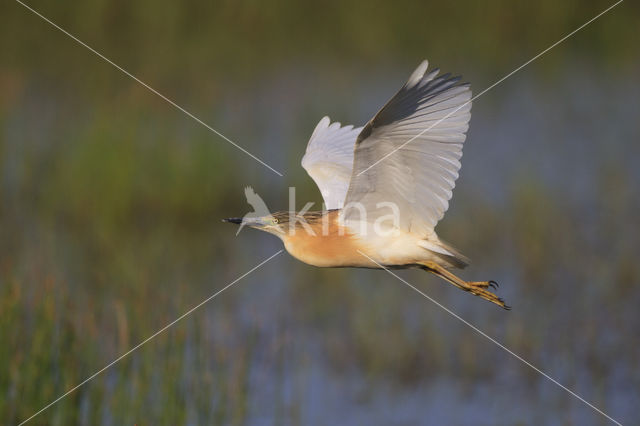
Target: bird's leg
x: 478, y: 288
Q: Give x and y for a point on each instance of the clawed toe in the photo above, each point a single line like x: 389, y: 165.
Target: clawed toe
x: 484, y: 284
x: 487, y: 295
x: 498, y: 301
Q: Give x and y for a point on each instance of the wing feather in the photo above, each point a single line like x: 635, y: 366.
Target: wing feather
x: 329, y: 160
x: 417, y: 139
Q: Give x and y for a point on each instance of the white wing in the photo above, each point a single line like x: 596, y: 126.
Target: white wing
x: 329, y: 160
x: 417, y: 139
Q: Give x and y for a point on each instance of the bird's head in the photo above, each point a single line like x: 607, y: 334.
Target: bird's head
x: 275, y: 223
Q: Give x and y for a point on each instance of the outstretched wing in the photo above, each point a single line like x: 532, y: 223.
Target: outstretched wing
x: 409, y: 153
x: 329, y: 160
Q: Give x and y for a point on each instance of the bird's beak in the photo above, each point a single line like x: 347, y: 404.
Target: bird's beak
x: 251, y: 221
x: 236, y: 220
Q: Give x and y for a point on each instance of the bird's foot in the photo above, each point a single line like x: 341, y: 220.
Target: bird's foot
x: 478, y: 288
x: 484, y: 284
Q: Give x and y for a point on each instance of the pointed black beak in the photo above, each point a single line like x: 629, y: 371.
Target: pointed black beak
x: 236, y: 220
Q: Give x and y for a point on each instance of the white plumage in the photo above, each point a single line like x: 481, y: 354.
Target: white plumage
x: 408, y: 154
x: 329, y: 160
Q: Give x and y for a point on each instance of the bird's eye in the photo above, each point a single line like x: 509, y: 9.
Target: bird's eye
x: 275, y: 221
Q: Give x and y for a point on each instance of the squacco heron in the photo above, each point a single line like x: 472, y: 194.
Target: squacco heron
x: 385, y: 186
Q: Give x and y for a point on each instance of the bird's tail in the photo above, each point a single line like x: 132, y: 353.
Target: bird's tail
x: 446, y: 252
x: 457, y: 259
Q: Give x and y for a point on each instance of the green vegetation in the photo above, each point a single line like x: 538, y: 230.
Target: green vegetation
x: 111, y: 200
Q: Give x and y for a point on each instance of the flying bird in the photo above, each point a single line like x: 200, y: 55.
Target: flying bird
x: 385, y: 186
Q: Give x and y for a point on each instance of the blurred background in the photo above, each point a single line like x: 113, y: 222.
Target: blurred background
x: 111, y: 200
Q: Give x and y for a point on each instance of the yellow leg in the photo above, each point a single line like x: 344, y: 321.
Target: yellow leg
x: 479, y: 288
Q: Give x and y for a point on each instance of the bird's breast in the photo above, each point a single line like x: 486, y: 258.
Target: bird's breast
x: 335, y: 247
